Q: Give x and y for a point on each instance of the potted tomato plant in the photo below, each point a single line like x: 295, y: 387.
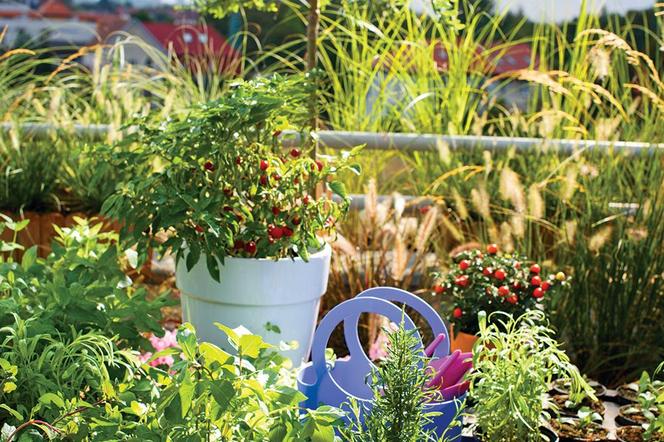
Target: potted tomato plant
x: 240, y: 211
x: 491, y: 281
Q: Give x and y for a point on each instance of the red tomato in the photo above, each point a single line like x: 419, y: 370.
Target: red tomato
x: 250, y: 247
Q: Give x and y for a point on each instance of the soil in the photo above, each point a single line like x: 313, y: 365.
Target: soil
x: 635, y: 434
x: 560, y: 399
x: 570, y: 432
x: 630, y: 434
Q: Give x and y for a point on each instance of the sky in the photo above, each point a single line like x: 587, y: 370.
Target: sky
x: 557, y: 10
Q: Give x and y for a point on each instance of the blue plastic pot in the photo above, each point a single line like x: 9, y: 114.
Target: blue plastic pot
x: 334, y: 384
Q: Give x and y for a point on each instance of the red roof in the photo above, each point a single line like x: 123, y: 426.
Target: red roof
x: 55, y: 8
x: 495, y: 60
x: 191, y: 40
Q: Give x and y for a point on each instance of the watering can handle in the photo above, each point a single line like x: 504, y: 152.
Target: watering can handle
x: 393, y: 294
x: 352, y: 308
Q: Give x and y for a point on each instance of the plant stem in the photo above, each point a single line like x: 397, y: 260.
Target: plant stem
x: 312, y: 55
x: 24, y: 425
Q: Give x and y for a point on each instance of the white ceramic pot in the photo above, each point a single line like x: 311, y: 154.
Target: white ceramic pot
x: 253, y: 292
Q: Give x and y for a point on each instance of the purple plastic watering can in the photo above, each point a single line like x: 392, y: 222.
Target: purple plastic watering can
x: 335, y: 383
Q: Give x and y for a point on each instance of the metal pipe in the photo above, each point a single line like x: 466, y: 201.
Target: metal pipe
x: 43, y: 130
x: 431, y: 142
x: 392, y: 141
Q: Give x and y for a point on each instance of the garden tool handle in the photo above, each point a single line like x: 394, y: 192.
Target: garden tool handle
x: 418, y: 304
x: 353, y: 308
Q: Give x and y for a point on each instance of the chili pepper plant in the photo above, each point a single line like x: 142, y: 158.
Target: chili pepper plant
x: 492, y: 281
x: 221, y: 184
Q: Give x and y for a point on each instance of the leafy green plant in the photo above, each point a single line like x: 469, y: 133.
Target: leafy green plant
x: 222, y: 185
x: 74, y: 364
x: 399, y: 411
x: 221, y: 8
x: 514, y: 361
x: 494, y: 281
x: 80, y: 285
x: 651, y: 400
x: 207, y: 395
x: 29, y: 170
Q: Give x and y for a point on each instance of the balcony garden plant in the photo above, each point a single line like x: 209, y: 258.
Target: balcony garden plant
x: 491, y: 281
x: 515, y: 360
x: 644, y: 420
x: 585, y: 427
x: 239, y: 211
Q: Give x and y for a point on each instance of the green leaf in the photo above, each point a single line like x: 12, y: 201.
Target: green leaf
x: 233, y: 337
x: 286, y: 395
x: 187, y: 340
x: 21, y: 225
x: 338, y: 188
x: 29, y: 258
x: 193, y: 256
x: 186, y: 392
x: 212, y: 353
x: 8, y: 387
x: 13, y: 412
x: 251, y: 345
x: 213, y: 267
x: 52, y: 398
x: 223, y: 393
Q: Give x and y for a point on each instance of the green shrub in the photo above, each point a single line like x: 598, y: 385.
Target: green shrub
x: 29, y: 170
x: 223, y: 185
x: 80, y: 285
x: 206, y: 395
x: 514, y: 362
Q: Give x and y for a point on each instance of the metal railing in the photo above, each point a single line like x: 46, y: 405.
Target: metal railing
x: 391, y: 141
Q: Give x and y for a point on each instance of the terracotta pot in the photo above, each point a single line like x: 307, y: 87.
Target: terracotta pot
x: 462, y: 341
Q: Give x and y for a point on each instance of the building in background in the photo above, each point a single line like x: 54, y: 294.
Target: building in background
x: 53, y: 24
x: 194, y: 44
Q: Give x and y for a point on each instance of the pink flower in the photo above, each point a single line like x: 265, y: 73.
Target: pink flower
x: 378, y: 349
x: 159, y: 344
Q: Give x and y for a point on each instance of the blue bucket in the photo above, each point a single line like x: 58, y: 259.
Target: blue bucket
x: 335, y: 384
